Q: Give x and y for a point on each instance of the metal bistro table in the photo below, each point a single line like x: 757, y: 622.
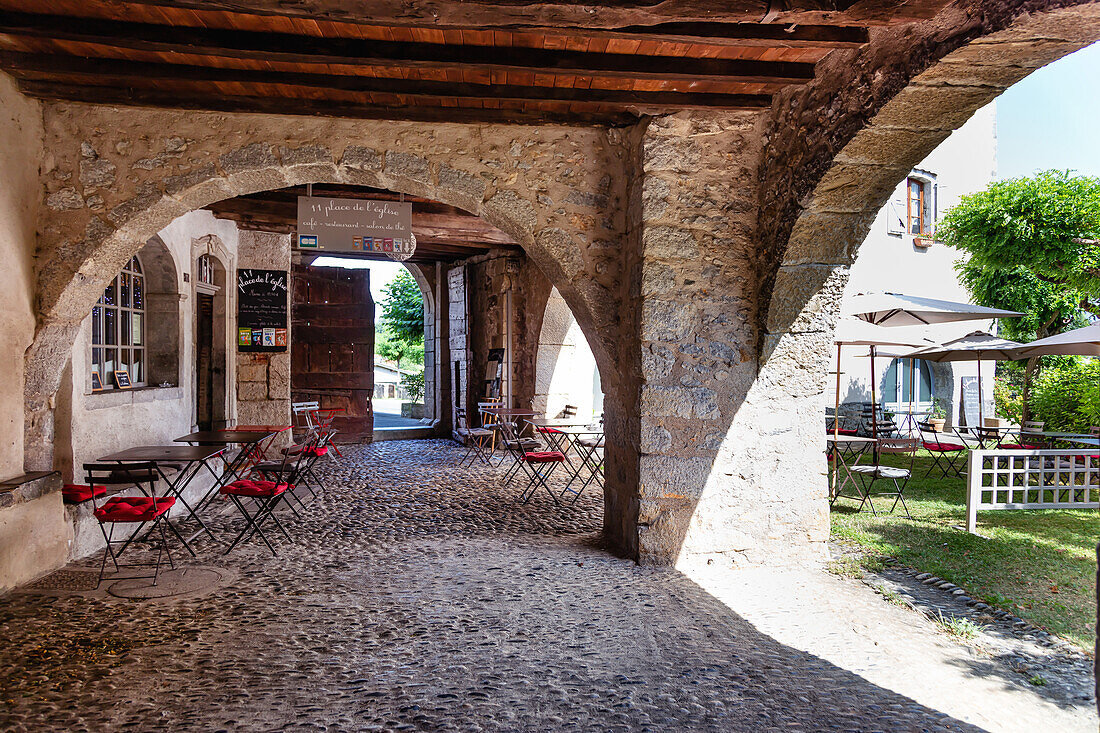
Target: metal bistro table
x: 510, y: 412
x: 587, y: 450
x: 550, y: 428
x: 854, y: 446
x: 249, y: 442
x: 191, y: 458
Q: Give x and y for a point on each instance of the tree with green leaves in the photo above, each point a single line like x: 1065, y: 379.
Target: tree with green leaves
x: 403, y: 309
x: 1033, y: 247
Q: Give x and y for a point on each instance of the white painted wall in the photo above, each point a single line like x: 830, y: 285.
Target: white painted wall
x: 97, y: 424
x: 565, y: 369
x: 964, y: 163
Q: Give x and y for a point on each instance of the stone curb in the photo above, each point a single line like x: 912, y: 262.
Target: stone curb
x: 1018, y: 626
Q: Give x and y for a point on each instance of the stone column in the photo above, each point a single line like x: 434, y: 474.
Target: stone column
x: 730, y: 466
x: 263, y: 380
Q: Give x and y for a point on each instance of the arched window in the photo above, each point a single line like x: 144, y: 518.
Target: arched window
x: 118, y: 328
x: 899, y: 386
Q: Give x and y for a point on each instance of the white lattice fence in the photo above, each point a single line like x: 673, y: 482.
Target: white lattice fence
x: 1031, y: 479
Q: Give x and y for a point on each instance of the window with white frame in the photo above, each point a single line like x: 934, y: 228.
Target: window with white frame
x: 118, y: 328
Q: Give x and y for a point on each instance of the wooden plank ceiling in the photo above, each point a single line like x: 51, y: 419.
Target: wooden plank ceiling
x: 602, y: 62
x: 443, y: 233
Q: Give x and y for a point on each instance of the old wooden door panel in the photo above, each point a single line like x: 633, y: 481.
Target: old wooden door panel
x: 332, y: 346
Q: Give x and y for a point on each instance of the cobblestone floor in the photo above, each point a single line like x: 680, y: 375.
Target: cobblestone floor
x: 421, y: 597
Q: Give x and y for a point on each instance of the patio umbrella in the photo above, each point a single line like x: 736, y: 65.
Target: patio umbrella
x: 974, y: 346
x: 860, y: 333
x: 1078, y: 342
x: 894, y: 309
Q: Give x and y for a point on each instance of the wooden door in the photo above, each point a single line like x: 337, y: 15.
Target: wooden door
x: 332, y: 346
x: 204, y: 362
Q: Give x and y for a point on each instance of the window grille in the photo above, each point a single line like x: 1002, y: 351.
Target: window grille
x: 118, y: 327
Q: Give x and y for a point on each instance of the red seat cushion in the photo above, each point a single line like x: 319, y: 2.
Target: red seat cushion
x: 315, y: 450
x: 1020, y: 446
x: 133, y: 508
x: 76, y: 493
x: 549, y: 430
x: 544, y: 456
x: 247, y: 487
x: 944, y: 446
x: 847, y: 431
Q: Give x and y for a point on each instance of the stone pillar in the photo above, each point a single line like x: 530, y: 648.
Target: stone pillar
x: 730, y: 464
x: 263, y: 380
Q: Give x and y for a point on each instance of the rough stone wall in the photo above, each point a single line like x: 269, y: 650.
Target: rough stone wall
x: 113, y: 177
x: 21, y: 137
x: 457, y: 340
x: 263, y: 380
x: 714, y: 481
x: 489, y: 278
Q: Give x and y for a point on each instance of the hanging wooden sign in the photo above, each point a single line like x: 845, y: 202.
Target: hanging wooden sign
x: 355, y: 226
x: 261, y: 310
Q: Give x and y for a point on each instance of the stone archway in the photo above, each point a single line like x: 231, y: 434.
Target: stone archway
x: 886, y: 123
x: 528, y: 182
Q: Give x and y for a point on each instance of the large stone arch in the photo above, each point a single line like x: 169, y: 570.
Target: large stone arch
x: 122, y: 178
x: 887, y: 106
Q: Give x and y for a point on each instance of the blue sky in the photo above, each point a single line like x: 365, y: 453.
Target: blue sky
x: 1051, y: 118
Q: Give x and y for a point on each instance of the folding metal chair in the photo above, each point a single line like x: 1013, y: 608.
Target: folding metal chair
x: 130, y: 510
x: 538, y: 467
x: 488, y: 420
x: 590, y: 449
x: 946, y: 456
x: 312, y: 448
x: 516, y: 447
x: 473, y: 439
x: 326, y: 418
x: 265, y: 495
x: 1030, y: 438
x: 898, y: 475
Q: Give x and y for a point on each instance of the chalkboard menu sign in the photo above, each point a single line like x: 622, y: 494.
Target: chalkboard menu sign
x: 261, y: 310
x: 970, y: 400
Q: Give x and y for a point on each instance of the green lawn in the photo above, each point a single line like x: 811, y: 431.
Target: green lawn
x: 1038, y: 564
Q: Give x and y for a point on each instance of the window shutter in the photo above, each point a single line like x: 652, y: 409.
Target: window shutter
x: 930, y: 191
x: 895, y: 210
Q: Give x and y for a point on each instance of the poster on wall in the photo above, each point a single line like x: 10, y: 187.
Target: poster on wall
x: 261, y: 310
x: 356, y: 226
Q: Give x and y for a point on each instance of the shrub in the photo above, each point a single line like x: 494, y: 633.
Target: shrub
x: 1067, y: 397
x: 414, y: 385
x: 1008, y: 393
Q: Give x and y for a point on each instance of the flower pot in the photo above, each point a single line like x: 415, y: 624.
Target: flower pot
x: 938, y: 423
x: 415, y: 410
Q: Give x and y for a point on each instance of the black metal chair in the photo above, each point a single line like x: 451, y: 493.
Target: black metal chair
x: 148, y: 508
x: 946, y: 454
x: 899, y: 476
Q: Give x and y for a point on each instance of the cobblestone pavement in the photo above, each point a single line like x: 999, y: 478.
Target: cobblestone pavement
x: 417, y: 596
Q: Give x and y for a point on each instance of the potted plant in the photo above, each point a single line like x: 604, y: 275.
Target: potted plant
x: 938, y: 416
x: 414, y: 388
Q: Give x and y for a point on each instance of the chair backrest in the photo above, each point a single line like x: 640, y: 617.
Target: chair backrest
x: 460, y: 419
x: 898, y: 445
x: 488, y: 418
x: 295, y: 458
x: 122, y: 475
x: 568, y: 411
x: 927, y: 427
x: 1094, y: 431
x: 303, y: 413
x: 1033, y: 426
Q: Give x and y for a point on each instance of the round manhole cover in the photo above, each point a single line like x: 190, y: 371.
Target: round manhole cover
x: 170, y: 583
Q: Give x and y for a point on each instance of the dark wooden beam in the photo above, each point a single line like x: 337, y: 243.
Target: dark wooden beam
x: 312, y: 108
x: 119, y: 73
x: 524, y: 14
x: 314, y: 50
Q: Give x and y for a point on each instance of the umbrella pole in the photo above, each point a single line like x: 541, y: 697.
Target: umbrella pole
x: 981, y: 416
x: 912, y: 377
x: 874, y: 407
x: 836, y: 425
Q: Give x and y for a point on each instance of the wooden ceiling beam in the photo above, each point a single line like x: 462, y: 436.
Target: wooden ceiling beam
x: 604, y: 14
x: 286, y: 47
x: 130, y: 74
x: 313, y: 108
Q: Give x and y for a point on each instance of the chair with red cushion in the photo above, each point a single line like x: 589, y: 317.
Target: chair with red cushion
x: 946, y: 454
x: 80, y: 493
x: 265, y: 494
x: 1030, y: 438
x: 148, y: 508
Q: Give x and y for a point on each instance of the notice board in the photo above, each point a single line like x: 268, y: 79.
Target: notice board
x: 261, y: 310
x: 970, y: 401
x: 355, y: 225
